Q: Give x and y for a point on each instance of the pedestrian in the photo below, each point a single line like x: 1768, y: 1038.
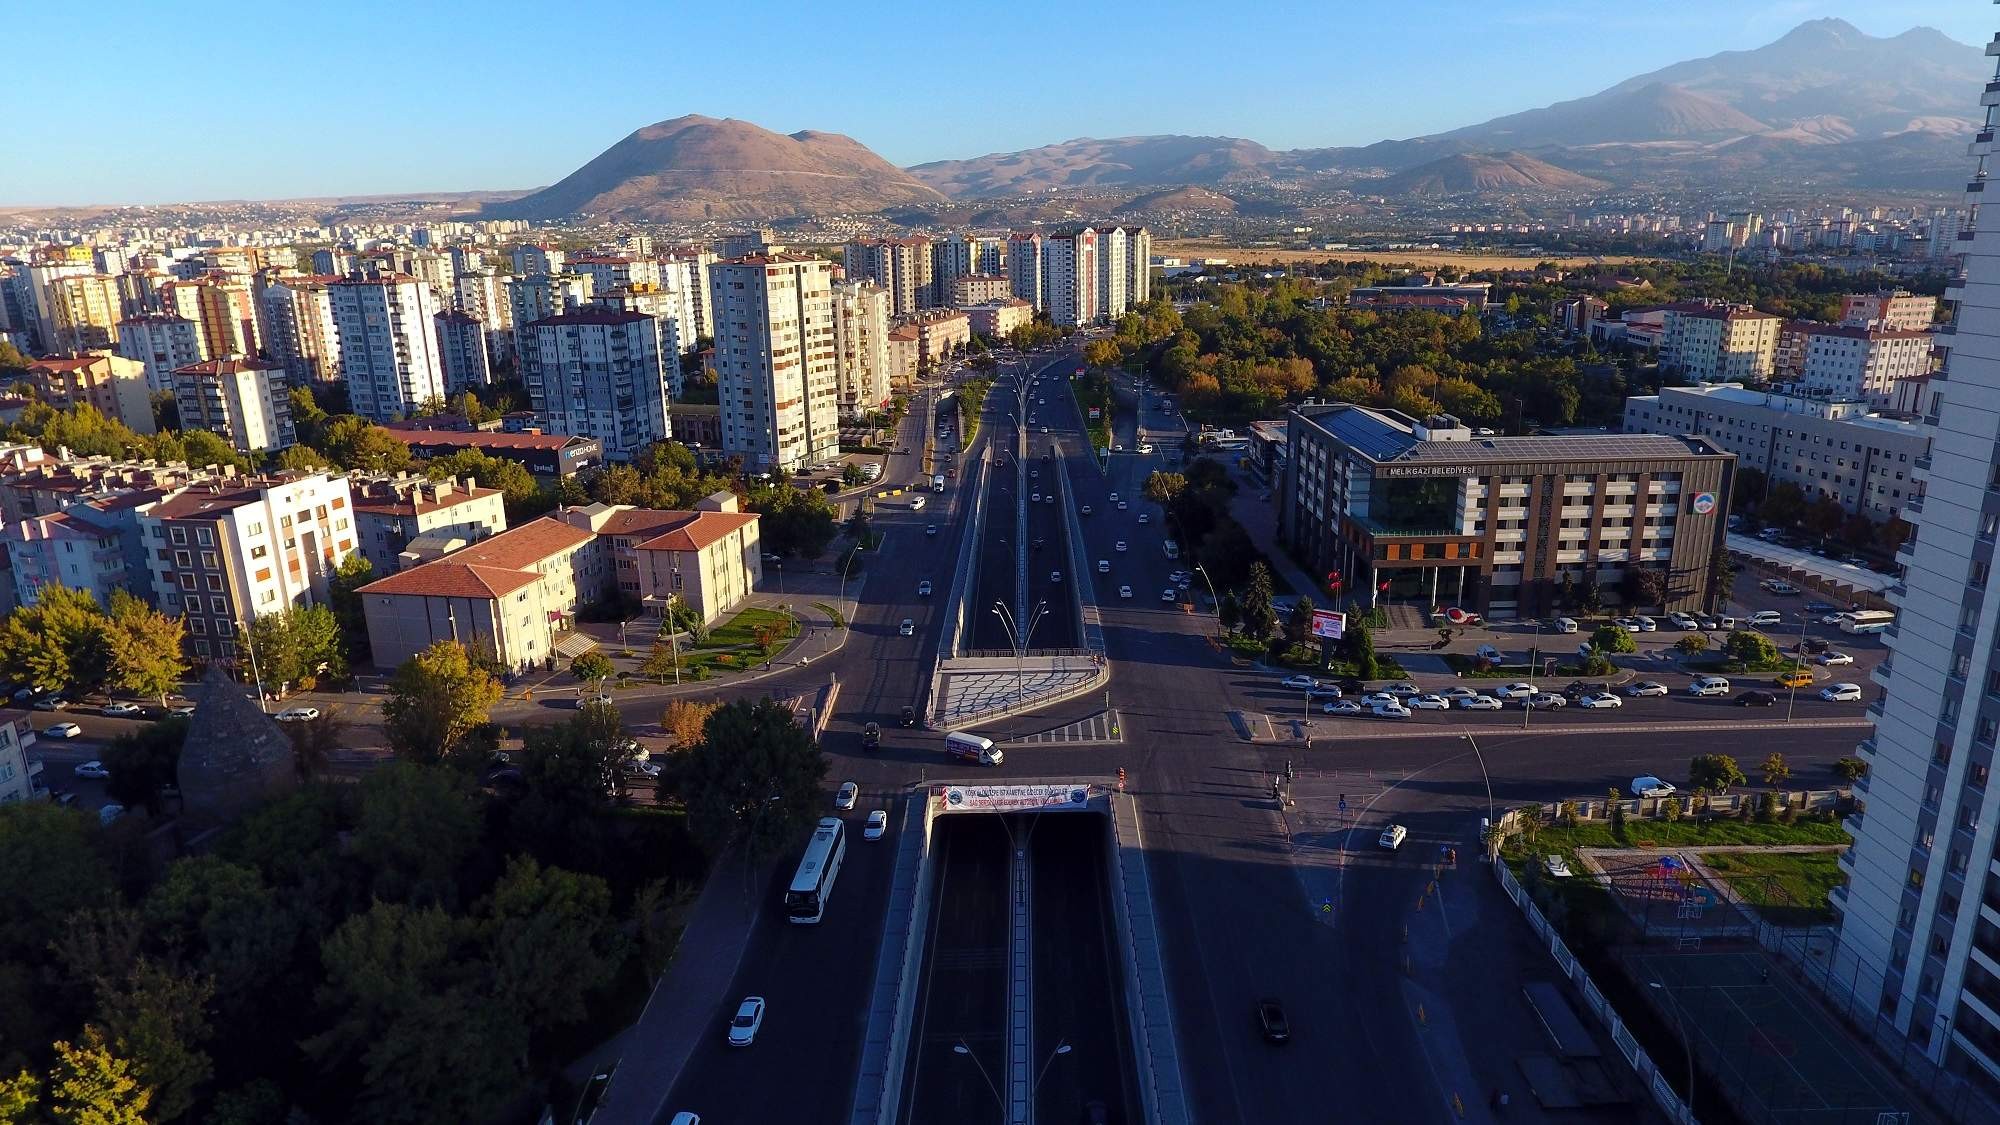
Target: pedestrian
x: 1764, y: 973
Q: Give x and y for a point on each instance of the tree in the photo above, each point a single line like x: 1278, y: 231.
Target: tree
x: 1694, y: 644
x: 755, y: 773
x: 685, y: 720
x: 1566, y: 591
x: 575, y: 765
x: 223, y: 920
x: 143, y: 647
x: 592, y: 666
x: 1360, y: 642
x: 1714, y: 772
x: 520, y: 493
x: 1824, y: 516
x: 1721, y: 576
x: 308, y: 420
x: 1747, y: 489
x: 1645, y: 586
x: 435, y: 699
x: 1850, y: 769
x: 1101, y: 353
x: 157, y: 1016
x: 18, y: 1094
x: 57, y: 644
x: 91, y: 1085
x: 1228, y: 613
x: 851, y: 475
x: 1164, y: 488
x: 796, y: 521
x: 1298, y: 623
x: 1592, y: 595
x: 1258, y: 615
x: 551, y: 939
x: 143, y: 761
x: 1611, y: 638
x: 1615, y: 801
x: 313, y: 743
x: 296, y: 645
x: 416, y: 827
x: 1749, y: 648
x: 1785, y: 505
x: 1776, y: 769
x: 356, y: 443
x: 344, y: 597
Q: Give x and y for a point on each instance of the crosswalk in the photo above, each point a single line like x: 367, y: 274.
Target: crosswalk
x: 1101, y: 728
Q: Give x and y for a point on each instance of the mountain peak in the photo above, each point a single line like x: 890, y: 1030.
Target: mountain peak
x: 1830, y: 30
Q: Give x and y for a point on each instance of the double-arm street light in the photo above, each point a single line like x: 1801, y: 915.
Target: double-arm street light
x: 1019, y: 638
x: 1062, y: 1048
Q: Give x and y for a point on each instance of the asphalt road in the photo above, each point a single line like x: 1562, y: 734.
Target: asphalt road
x: 962, y: 998
x: 1079, y: 998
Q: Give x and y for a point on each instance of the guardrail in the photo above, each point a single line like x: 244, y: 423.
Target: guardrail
x: 1155, y: 1049
x: 1082, y: 592
x: 966, y: 575
x: 878, y: 1090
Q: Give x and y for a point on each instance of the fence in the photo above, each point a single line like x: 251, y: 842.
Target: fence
x: 1720, y: 805
x: 1642, y: 1065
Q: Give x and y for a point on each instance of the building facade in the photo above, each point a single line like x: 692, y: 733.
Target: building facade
x: 978, y: 289
x: 996, y: 319
x: 1853, y: 362
x: 709, y: 559
x: 1069, y: 277
x: 20, y: 778
x: 1719, y: 343
x: 223, y: 308
x: 245, y: 402
x: 1890, y: 308
x: 1025, y: 262
x: 65, y: 548
x: 301, y: 333
x: 162, y: 344
x: 941, y: 334
x: 461, y: 339
x: 774, y: 360
x: 902, y: 266
x: 598, y: 374
x: 390, y: 512
x: 84, y: 311
x: 861, y: 346
x: 113, y: 385
x: 1827, y: 448
x: 388, y: 344
x: 1421, y: 513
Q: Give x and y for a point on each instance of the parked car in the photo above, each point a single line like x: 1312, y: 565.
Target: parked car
x: 877, y: 824
x: 298, y: 714
x: 1646, y: 624
x: 1683, y: 621
x: 1577, y: 689
x: 52, y: 703
x: 1323, y: 689
x: 1756, y: 699
x: 1650, y: 786
x: 1835, y: 659
x: 1459, y: 693
x: 1708, y: 685
x: 120, y: 710
x: 1430, y: 703
x: 1544, y: 701
x: 1645, y: 688
x: 1601, y: 701
x: 1566, y: 625
x: 1393, y: 709
x: 92, y: 769
x: 1479, y: 703
x: 1272, y: 1023
x: 1169, y: 594
x: 1402, y: 691
x: 1841, y: 693
x: 1518, y: 690
x: 1299, y: 683
x: 1343, y: 707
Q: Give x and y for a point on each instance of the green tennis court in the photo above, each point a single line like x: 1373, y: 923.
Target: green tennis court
x: 1782, y: 1058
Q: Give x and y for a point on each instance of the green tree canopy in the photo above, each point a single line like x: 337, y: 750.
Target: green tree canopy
x: 356, y: 443
x: 418, y: 825
x: 1612, y: 639
x: 756, y: 773
x: 143, y: 647
x: 1714, y: 772
x: 57, y: 644
x: 436, y: 698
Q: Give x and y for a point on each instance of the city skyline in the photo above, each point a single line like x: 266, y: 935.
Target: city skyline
x: 1318, y: 95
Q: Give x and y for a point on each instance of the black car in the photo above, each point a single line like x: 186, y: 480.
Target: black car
x: 1812, y: 644
x: 1821, y: 607
x: 1756, y: 699
x: 1272, y: 1022
x: 909, y: 716
x: 871, y: 736
x: 1579, y: 688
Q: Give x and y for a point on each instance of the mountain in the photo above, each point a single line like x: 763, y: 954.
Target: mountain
x: 694, y: 168
x: 1089, y: 162
x: 1485, y: 172
x: 1181, y: 199
x: 1825, y: 104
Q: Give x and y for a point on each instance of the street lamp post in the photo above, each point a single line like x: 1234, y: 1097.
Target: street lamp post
x: 851, y: 555
x: 1792, y: 698
x: 959, y: 1048
x: 1485, y: 845
x: 1062, y: 1048
x: 1019, y: 639
x: 1534, y: 669
x: 1213, y: 600
x: 250, y: 648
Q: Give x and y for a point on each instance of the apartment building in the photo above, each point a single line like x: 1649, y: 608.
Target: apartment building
x: 1856, y: 362
x: 1070, y: 278
x: 388, y: 344
x: 112, y: 384
x: 1026, y: 259
x: 1826, y: 447
x: 533, y: 259
x: 861, y: 346
x: 905, y: 345
x: 300, y: 331
x: 511, y: 596
x: 978, y: 289
x: 20, y: 779
x: 615, y: 271
x: 709, y: 559
x: 226, y: 551
x: 160, y: 344
x: 1889, y: 308
x: 952, y: 257
x: 245, y: 402
x: 1111, y: 273
x: 670, y: 312
x: 599, y: 374
x: 65, y: 548
x: 1919, y: 942
x: 84, y: 311
x: 903, y: 266
x: 1422, y: 513
x: 941, y: 334
x: 538, y: 296
x: 1713, y: 342
x: 223, y: 309
x: 774, y: 360
x: 479, y: 293
x: 685, y: 268
x: 46, y: 266
x: 461, y: 339
x: 393, y: 513
x: 995, y: 319
x: 545, y: 455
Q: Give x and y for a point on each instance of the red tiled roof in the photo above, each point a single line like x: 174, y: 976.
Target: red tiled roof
x: 705, y: 529
x: 479, y: 439
x: 419, y: 500
x: 489, y: 568
x: 227, y: 366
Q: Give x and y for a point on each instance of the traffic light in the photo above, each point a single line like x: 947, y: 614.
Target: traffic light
x: 1121, y: 779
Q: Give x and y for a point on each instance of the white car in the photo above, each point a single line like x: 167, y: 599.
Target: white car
x: 848, y: 794
x: 1683, y: 621
x: 1841, y: 693
x: 878, y: 823
x: 749, y: 1019
x: 1035, y: 497
x: 1544, y: 701
x: 1114, y: 498
x: 1122, y: 505
x: 1402, y: 691
x: 63, y: 730
x: 1835, y: 659
x: 640, y: 767
x: 1343, y: 707
x: 1083, y: 511
x: 1604, y: 700
x: 1392, y: 837
x: 1626, y: 623
x: 1458, y: 693
x: 1169, y: 595
x: 1143, y: 518
x: 1430, y: 703
x: 1124, y: 591
x: 908, y: 628
x: 1104, y: 566
x: 298, y: 715
x: 1299, y: 683
x: 924, y: 588
x: 1519, y: 690
x: 1119, y: 546
x: 1378, y: 698
x: 1566, y: 625
x: 1480, y: 703
x: 1646, y: 687
x: 93, y: 770
x: 1055, y: 577
x: 1646, y: 624
x: 120, y: 709
x: 1391, y: 710
x: 1650, y: 786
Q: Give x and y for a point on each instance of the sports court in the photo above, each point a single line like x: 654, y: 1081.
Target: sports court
x: 1781, y: 1058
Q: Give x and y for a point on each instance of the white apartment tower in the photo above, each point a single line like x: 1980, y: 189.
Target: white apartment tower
x: 861, y: 346
x: 542, y: 295
x: 1849, y: 362
x: 598, y: 373
x: 1920, y: 932
x: 1025, y: 254
x: 1111, y: 277
x: 669, y: 311
x: 162, y: 343
x: 1138, y: 266
x: 388, y: 344
x: 244, y: 402
x: 687, y: 267
x: 774, y: 360
x: 1069, y: 277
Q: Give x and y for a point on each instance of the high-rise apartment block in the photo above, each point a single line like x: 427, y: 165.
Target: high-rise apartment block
x: 299, y: 328
x: 1852, y: 362
x: 1111, y: 274
x: 686, y: 268
x: 222, y: 308
x: 1070, y: 282
x: 903, y: 266
x: 1889, y: 309
x: 669, y: 310
x: 977, y: 289
x: 774, y: 360
x: 1714, y: 342
x: 861, y: 346
x: 538, y: 296
x: 1919, y: 944
x: 532, y: 259
x: 598, y: 373
x: 388, y: 344
x: 1025, y: 262
x: 113, y: 385
x: 245, y: 402
x: 84, y: 312
x: 461, y: 339
x: 162, y: 344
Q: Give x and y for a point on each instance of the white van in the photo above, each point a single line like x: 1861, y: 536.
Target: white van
x: 1566, y: 625
x: 973, y: 748
x: 916, y: 503
x: 1767, y: 617
x: 1709, y: 685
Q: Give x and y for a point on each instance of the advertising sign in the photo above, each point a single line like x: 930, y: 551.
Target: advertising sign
x: 1329, y: 625
x: 1015, y: 798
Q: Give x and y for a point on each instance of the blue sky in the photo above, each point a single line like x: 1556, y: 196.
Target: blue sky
x: 203, y: 99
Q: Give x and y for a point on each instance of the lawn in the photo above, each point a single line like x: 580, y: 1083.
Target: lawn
x: 1787, y: 888
x: 733, y: 646
x: 1668, y: 833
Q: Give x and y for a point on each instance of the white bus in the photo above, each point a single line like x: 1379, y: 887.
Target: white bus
x: 805, y: 902
x: 1865, y: 621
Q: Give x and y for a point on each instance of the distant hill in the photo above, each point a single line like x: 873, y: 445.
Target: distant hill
x: 1656, y: 111
x: 694, y: 168
x: 1182, y: 199
x: 1088, y: 162
x: 1484, y: 172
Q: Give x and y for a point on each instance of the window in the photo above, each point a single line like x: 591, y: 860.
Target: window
x: 180, y: 536
x: 183, y: 558
x: 208, y: 560
x: 204, y: 536
x: 197, y: 625
x: 259, y: 551
x: 214, y: 581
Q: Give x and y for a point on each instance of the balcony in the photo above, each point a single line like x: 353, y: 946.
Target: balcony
x: 1923, y: 464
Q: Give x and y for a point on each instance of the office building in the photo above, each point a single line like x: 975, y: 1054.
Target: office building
x: 1918, y: 942
x: 861, y: 346
x: 1025, y: 254
x: 598, y: 373
x: 900, y: 265
x: 160, y: 344
x: 1850, y: 362
x: 113, y: 385
x: 1422, y: 513
x: 774, y: 360
x: 1714, y: 342
x: 394, y: 514
x: 388, y: 345
x: 1069, y: 277
x: 301, y: 333
x: 245, y: 402
x: 1825, y: 446
x: 233, y: 550
x: 461, y: 339
x: 1890, y: 308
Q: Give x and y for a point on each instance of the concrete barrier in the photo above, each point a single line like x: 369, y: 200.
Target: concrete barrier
x: 1155, y: 1048
x: 878, y: 1088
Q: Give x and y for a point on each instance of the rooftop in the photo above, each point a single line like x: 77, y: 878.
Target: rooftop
x: 481, y: 439
x: 490, y: 568
x: 231, y: 366
x: 1391, y: 437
